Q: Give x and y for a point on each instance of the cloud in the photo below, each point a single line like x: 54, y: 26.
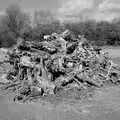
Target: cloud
x: 110, y: 6
x: 108, y: 10
x: 73, y: 8
x: 89, y: 9
x: 105, y: 16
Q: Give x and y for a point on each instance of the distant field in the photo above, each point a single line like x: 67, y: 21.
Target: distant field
x: 114, y: 53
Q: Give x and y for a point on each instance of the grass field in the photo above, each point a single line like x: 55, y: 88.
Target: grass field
x: 104, y: 106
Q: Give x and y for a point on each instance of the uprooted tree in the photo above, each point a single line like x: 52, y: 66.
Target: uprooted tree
x: 60, y: 61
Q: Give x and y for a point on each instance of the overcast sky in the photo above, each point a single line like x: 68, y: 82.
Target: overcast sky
x: 31, y: 4
x: 71, y: 9
x: 93, y: 9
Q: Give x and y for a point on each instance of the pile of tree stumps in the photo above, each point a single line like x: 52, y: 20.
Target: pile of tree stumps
x: 60, y: 61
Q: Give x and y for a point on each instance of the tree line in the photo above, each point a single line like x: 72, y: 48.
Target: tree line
x: 16, y: 23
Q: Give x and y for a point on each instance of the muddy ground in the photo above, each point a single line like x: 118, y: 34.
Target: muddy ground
x: 104, y: 104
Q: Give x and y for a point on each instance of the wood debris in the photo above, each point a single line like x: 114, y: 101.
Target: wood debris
x: 58, y: 62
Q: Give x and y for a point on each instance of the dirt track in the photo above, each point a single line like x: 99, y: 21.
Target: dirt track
x: 104, y: 106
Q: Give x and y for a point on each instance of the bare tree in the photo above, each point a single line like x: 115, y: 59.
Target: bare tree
x: 15, y: 20
x: 43, y: 17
